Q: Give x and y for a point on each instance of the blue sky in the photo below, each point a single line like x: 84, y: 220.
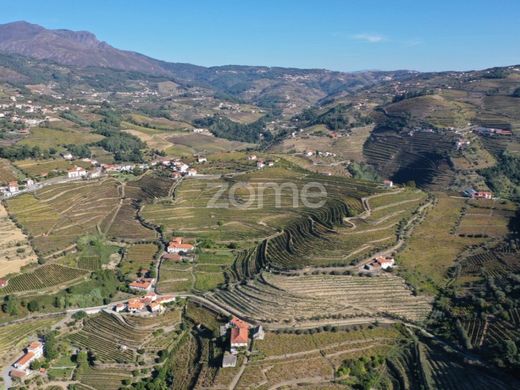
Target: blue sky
x: 333, y: 34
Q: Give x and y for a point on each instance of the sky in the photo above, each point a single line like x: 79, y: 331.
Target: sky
x: 348, y: 35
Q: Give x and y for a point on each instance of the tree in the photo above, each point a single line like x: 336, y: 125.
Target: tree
x: 10, y: 305
x: 33, y: 306
x: 50, y: 349
x: 79, y: 315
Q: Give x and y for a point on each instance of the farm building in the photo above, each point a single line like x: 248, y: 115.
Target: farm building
x: 177, y: 245
x: 229, y: 360
x: 155, y: 307
x: 94, y: 173
x: 192, y: 172
x: 13, y: 187
x: 252, y: 157
x: 172, y: 256
x: 380, y: 262
x: 3, y: 283
x: 388, y: 183
x: 483, y: 195
x: 76, y: 172
x: 260, y: 164
x: 119, y: 307
x: 165, y: 299
x: 33, y: 352
x: 239, y: 333
x: 201, y: 159
x: 135, y: 306
x: 473, y: 194
x: 144, y: 284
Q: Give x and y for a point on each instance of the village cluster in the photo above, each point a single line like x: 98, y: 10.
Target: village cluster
x: 96, y: 170
x: 151, y: 303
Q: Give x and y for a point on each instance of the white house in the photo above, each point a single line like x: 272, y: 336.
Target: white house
x: 388, y: 183
x: 33, y: 352
x: 144, y: 284
x: 13, y: 187
x: 76, y: 172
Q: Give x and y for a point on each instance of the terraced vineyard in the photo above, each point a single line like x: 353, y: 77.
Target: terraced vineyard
x: 420, y: 157
x: 104, y: 379
x: 327, y: 237
x: 42, y: 278
x: 124, y: 225
x: 137, y: 257
x: 266, y: 212
x: 279, y: 299
x: 111, y: 338
x: 148, y: 187
x: 56, y: 216
x: 13, y: 337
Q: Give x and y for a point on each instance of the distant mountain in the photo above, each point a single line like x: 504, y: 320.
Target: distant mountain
x: 79, y: 48
x: 286, y: 89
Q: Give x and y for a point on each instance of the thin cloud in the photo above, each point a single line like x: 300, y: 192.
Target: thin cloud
x: 371, y: 38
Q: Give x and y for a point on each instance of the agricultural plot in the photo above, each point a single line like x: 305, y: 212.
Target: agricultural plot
x: 43, y: 277
x: 15, y: 250
x: 420, y: 157
x: 311, y: 359
x: 46, y: 138
x: 111, y: 338
x: 124, y: 225
x: 488, y: 218
x: 56, y: 216
x: 446, y: 373
x: 104, y: 379
x: 14, y: 337
x: 250, y: 217
x: 175, y: 277
x: 432, y: 248
x: 7, y: 172
x: 138, y: 257
x: 149, y: 187
x: 347, y: 147
x: 280, y: 299
x: 40, y: 168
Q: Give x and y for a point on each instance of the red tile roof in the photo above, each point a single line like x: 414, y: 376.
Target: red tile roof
x: 17, y: 374
x: 25, y: 358
x: 239, y: 335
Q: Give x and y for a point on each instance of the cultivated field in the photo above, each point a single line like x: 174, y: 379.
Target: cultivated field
x: 13, y: 338
x: 189, y: 213
x: 46, y: 138
x: 7, y: 172
x: 15, y: 250
x: 311, y: 299
x: 35, y: 168
x: 433, y: 247
x: 138, y: 257
x: 57, y: 216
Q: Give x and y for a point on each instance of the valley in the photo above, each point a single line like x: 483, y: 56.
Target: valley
x: 167, y: 225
